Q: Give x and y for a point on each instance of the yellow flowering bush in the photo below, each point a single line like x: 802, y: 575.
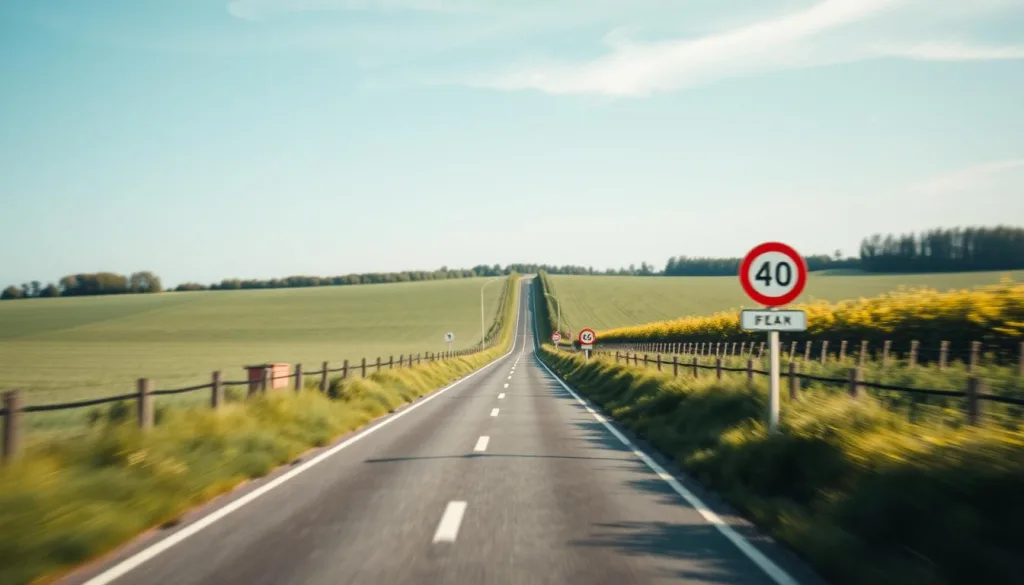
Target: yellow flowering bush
x: 993, y: 315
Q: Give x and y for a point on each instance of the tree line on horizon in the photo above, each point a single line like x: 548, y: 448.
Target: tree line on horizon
x: 937, y: 250
x: 87, y: 284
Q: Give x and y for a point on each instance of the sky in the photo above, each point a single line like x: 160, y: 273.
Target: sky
x: 210, y: 139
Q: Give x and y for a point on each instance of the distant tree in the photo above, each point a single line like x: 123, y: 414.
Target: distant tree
x: 144, y: 282
x: 36, y: 287
x: 11, y: 292
x: 50, y: 291
x: 945, y: 250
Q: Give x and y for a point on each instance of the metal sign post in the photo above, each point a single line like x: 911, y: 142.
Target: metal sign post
x: 449, y: 338
x: 773, y: 274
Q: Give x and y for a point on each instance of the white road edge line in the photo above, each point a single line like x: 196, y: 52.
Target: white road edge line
x: 448, y: 528
x: 501, y: 396
x: 481, y: 444
x: 156, y: 548
x: 506, y: 384
x: 775, y: 572
x: 494, y: 412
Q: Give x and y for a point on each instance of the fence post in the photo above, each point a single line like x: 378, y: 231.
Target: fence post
x: 974, y: 388
x: 145, y: 386
x: 391, y: 362
x: 363, y: 367
x: 12, y: 430
x: 419, y: 360
x: 760, y: 350
x: 750, y: 371
x: 616, y: 356
x: 401, y: 360
x: 807, y: 350
x: 824, y: 351
x: 794, y: 381
x: 378, y: 364
x: 344, y: 370
x: 863, y: 352
x: 842, y: 350
x: 943, y: 354
x: 675, y: 366
x: 636, y: 359
x: 217, y: 391
x: 975, y: 348
x: 659, y: 362
x: 645, y: 361
x: 914, y: 345
x: 792, y: 350
x: 718, y: 367
x: 856, y: 377
x: 886, y: 347
x: 743, y: 347
x: 695, y: 366
x: 298, y: 377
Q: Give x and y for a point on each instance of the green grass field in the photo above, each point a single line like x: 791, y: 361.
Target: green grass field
x: 72, y: 348
x: 603, y: 302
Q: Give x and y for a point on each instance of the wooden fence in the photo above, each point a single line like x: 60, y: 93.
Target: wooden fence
x: 14, y: 407
x: 974, y: 394
x: 915, y: 353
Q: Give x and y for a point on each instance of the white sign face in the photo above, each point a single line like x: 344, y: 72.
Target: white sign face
x: 586, y: 337
x: 773, y: 274
x: 586, y: 346
x: 449, y: 337
x: 764, y: 320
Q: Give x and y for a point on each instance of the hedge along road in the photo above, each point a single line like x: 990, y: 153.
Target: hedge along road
x: 504, y: 477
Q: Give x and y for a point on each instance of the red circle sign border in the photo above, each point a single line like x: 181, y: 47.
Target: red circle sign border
x: 801, y: 274
x: 582, y: 331
x: 556, y: 336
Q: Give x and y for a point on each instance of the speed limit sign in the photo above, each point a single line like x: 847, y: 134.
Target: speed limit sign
x: 587, y: 337
x: 773, y: 274
x: 556, y: 337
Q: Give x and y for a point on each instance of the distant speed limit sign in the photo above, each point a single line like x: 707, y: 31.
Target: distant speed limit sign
x: 587, y: 337
x: 773, y: 274
x: 556, y: 337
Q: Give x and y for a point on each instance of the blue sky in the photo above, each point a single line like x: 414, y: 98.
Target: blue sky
x: 204, y: 139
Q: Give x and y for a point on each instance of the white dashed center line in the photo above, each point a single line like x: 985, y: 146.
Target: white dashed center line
x: 481, y: 444
x: 501, y: 396
x: 448, y: 529
x: 506, y: 384
x: 494, y: 412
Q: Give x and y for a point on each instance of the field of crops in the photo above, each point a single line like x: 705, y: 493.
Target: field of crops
x: 69, y: 348
x: 605, y: 302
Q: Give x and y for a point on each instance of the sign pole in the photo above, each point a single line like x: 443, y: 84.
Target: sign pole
x: 773, y: 400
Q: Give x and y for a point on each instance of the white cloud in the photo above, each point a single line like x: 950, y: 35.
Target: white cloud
x: 969, y: 178
x: 829, y: 32
x: 639, y: 69
x: 952, y: 52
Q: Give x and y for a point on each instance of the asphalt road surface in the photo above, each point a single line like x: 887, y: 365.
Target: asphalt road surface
x: 504, y: 478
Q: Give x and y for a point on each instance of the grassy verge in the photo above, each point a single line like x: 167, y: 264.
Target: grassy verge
x: 866, y: 496
x: 65, y: 502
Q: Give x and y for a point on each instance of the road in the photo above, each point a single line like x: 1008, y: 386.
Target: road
x: 503, y: 478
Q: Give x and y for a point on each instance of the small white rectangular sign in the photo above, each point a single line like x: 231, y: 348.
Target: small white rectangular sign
x: 765, y: 320
x: 587, y: 346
